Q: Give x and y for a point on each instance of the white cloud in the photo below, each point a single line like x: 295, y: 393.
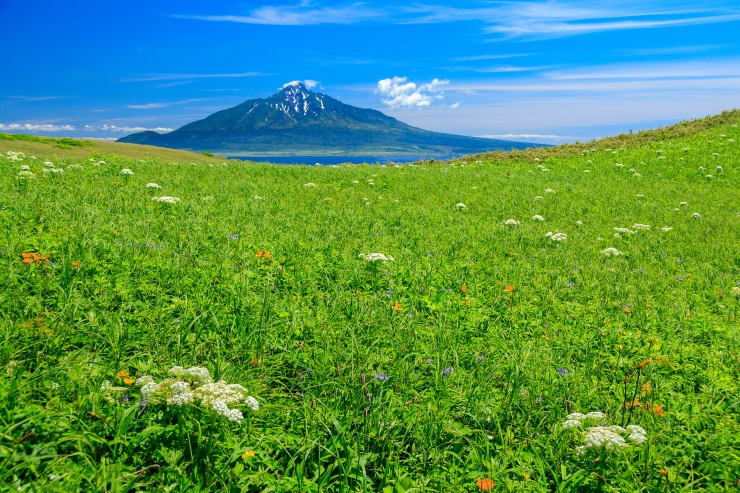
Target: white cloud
x: 397, y: 92
x: 527, y: 136
x: 126, y: 129
x: 310, y: 84
x: 454, y: 105
x: 152, y: 77
x: 149, y: 106
x: 35, y: 127
x: 537, y: 19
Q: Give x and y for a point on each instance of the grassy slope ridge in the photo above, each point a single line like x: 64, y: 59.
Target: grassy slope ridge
x: 490, y: 334
x: 52, y: 148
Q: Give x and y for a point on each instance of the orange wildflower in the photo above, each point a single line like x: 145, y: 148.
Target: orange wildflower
x: 464, y: 288
x: 486, y: 484
x: 627, y: 310
x: 629, y: 378
x: 255, y: 361
x: 266, y: 255
x: 647, y: 388
x: 643, y: 364
x: 509, y: 289
x: 128, y: 380
x: 397, y: 307
x: 259, y: 253
x: 635, y: 403
x: 75, y: 264
x: 122, y: 374
x: 658, y: 410
x: 663, y: 472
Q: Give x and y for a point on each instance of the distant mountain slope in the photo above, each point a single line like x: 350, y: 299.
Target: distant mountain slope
x: 296, y: 120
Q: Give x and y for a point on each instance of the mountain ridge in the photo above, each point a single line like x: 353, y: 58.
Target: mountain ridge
x: 296, y: 120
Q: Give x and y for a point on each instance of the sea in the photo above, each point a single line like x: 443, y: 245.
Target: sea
x: 329, y: 160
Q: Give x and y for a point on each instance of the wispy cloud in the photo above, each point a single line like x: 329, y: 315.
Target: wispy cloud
x: 532, y: 19
x: 125, y: 129
x: 37, y: 127
x: 149, y: 106
x: 527, y: 136
x: 683, y: 70
x: 298, y: 15
x: 490, y: 57
x: 153, y: 77
x: 37, y: 98
x: 398, y: 92
x: 676, y: 50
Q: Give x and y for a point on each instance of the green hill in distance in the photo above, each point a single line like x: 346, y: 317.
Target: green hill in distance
x: 297, y: 121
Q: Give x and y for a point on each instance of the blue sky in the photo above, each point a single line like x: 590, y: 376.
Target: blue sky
x: 541, y: 71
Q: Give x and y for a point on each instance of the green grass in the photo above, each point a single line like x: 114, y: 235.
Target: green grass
x: 161, y: 284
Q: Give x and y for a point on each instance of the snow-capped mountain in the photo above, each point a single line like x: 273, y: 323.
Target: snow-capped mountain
x: 296, y: 120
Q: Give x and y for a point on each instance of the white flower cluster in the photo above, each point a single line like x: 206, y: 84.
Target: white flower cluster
x: 126, y: 171
x: 15, y: 156
x: 309, y: 185
x: 665, y: 229
x: 196, y: 386
x: 556, y: 236
x: 167, y: 199
x: 511, y: 222
x: 643, y: 227
x: 152, y: 185
x: 538, y: 218
x: 374, y: 257
x: 549, y: 190
x: 624, y: 230
x: 460, y: 205
x: 611, y: 252
x: 604, y: 437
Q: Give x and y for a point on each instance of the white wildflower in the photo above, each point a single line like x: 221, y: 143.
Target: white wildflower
x: 182, y: 394
x: 460, y: 205
x: 577, y: 416
x: 684, y: 203
x: 709, y: 176
x: 625, y: 230
x: 257, y: 197
x: 511, y: 222
x: 220, y: 391
x: 719, y: 169
x: 25, y: 173
x: 595, y: 415
x: 539, y: 197
x: 374, y: 257
x: 25, y: 167
x: 74, y: 166
x: 197, y: 374
x: 126, y: 171
x: 355, y: 181
x: 143, y: 380
x: 696, y: 215
x: 616, y: 429
x: 231, y: 414
x: 152, y: 185
x: 619, y: 165
x: 637, y: 175
x: 571, y: 423
x: 666, y: 229
x: 637, y: 438
x: 148, y: 389
x: 544, y: 169
x: 549, y: 190
x: 252, y: 403
x: 48, y: 164
x: 557, y: 236
x: 167, y: 199
x: 636, y: 429
x: 309, y: 185
x: 538, y: 218
x: 611, y: 252
x: 601, y: 437
x: 586, y: 170
x: 579, y: 223
x: 643, y: 227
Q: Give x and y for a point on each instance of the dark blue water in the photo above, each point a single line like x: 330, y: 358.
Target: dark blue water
x: 325, y: 160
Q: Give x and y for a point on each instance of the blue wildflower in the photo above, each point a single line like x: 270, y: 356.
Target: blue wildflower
x: 562, y: 372
x: 382, y: 376
x: 447, y: 372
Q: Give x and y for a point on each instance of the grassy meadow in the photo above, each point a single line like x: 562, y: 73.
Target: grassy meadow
x: 508, y: 308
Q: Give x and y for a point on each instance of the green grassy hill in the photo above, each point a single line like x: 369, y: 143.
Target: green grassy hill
x: 523, y: 288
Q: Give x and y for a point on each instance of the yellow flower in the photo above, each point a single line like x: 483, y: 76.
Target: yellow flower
x: 397, y: 307
x: 122, y: 374
x: 128, y: 380
x: 248, y: 453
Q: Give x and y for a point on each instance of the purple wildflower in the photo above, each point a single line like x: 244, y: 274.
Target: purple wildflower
x: 562, y: 372
x: 447, y: 372
x: 481, y: 358
x: 143, y: 405
x: 382, y: 376
x: 123, y: 400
